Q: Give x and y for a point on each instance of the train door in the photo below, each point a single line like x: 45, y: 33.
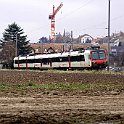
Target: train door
x: 69, y: 61
x: 50, y: 62
x: 37, y: 63
x: 64, y: 62
x: 82, y: 60
x: 46, y: 63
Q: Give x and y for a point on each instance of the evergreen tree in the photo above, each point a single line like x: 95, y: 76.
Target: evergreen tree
x: 15, y: 33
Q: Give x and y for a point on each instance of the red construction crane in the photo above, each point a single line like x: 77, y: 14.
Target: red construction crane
x: 52, y: 18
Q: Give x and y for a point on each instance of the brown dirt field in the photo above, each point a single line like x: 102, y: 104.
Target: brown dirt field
x: 43, y: 106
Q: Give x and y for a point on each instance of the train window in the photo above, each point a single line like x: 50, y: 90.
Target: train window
x: 98, y: 55
x: 77, y: 58
x: 101, y: 55
x: 95, y: 55
x: 22, y: 61
x: 45, y: 61
x: 30, y: 60
x: 38, y: 61
x: 64, y: 59
x: 55, y: 59
x: 16, y: 62
x: 82, y: 58
x: 34, y: 61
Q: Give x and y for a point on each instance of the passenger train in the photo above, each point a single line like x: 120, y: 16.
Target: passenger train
x: 81, y: 59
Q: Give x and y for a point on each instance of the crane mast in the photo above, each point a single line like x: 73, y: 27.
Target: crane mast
x: 52, y: 18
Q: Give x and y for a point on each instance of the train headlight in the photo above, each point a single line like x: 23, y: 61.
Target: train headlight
x: 94, y: 62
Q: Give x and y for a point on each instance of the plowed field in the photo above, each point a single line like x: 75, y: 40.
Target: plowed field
x: 58, y: 97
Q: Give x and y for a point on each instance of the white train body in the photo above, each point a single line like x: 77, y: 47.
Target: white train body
x: 75, y: 59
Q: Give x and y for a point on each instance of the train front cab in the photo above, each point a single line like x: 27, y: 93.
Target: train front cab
x: 98, y: 59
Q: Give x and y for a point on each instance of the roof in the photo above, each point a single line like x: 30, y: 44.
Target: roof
x: 59, y: 47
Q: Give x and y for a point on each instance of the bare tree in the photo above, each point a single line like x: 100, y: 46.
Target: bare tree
x: 8, y: 53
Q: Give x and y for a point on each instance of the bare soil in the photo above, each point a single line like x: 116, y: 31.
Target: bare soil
x: 43, y: 106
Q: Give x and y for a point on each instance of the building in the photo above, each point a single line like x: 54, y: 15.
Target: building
x: 59, y: 47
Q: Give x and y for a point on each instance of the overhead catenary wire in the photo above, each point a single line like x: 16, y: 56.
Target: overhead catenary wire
x: 100, y: 25
x: 76, y: 10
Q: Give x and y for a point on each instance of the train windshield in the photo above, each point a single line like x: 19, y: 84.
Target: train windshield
x: 98, y: 55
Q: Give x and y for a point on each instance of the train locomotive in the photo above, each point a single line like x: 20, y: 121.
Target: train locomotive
x: 80, y: 59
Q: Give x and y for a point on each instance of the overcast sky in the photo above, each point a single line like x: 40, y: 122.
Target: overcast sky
x: 80, y: 16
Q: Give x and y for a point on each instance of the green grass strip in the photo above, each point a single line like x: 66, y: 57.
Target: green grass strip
x: 62, y: 86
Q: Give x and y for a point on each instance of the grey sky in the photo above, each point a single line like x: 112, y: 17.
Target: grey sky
x: 80, y: 16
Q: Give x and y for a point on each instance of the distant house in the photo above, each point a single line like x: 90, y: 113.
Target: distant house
x: 117, y: 50
x: 85, y: 38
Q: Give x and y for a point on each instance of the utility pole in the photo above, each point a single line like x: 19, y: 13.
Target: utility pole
x: 16, y: 51
x: 108, y: 35
x: 72, y: 40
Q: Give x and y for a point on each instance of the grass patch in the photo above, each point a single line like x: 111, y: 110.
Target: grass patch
x: 62, y: 87
x: 80, y: 87
x: 4, y: 87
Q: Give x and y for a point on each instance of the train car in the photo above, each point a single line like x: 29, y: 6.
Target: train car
x: 81, y: 59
